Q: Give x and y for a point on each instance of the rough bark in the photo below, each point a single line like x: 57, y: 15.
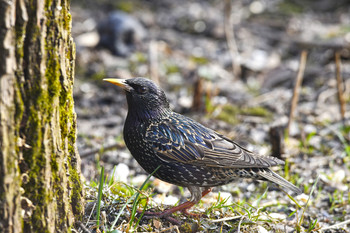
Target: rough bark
x: 40, y: 185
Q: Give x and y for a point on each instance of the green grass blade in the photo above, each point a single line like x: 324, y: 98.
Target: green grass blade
x: 312, y: 225
x: 121, y: 211
x: 134, y: 196
x: 307, y: 202
x: 134, y: 206
x: 257, y: 202
x: 293, y: 199
x: 111, y: 179
x: 99, y: 197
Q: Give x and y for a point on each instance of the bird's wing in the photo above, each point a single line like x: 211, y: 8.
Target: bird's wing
x: 181, y: 139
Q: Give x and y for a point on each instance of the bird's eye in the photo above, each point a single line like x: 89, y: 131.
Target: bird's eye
x: 142, y: 90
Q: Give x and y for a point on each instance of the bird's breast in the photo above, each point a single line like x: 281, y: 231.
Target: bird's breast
x: 134, y: 137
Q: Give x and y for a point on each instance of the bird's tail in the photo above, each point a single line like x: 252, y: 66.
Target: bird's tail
x: 273, y: 177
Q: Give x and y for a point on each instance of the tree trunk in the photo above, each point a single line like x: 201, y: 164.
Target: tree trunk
x: 40, y: 184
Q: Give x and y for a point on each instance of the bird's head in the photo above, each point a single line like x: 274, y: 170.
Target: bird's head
x: 145, y: 98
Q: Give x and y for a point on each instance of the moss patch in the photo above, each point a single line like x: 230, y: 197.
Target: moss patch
x: 230, y: 113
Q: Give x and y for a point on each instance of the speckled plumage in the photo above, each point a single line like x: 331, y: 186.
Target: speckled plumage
x: 190, y: 154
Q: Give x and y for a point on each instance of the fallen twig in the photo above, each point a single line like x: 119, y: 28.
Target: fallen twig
x: 197, y: 103
x: 226, y: 219
x: 340, y: 85
x: 266, y: 32
x: 230, y: 39
x: 92, y: 152
x: 297, y: 85
x: 239, y: 224
x: 171, y: 228
x: 153, y: 61
x: 336, y: 225
x: 83, y: 228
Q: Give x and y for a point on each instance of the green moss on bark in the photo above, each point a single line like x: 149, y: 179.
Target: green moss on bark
x: 42, y: 119
x: 50, y: 95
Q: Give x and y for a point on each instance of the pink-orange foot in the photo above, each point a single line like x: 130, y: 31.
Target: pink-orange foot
x: 184, y: 207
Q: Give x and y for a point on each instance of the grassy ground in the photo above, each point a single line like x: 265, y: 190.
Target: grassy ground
x: 122, y: 205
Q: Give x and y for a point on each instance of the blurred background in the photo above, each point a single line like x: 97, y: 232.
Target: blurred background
x: 232, y: 66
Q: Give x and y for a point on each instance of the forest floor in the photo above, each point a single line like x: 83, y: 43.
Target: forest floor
x: 183, y: 46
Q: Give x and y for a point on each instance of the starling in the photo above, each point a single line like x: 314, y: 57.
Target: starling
x: 189, y: 154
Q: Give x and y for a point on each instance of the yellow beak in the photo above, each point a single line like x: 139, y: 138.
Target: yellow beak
x: 119, y: 82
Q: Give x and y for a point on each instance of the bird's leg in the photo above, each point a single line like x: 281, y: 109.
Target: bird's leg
x: 196, y: 195
x: 185, y: 210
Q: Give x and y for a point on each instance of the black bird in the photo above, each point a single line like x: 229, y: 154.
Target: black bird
x: 190, y: 154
